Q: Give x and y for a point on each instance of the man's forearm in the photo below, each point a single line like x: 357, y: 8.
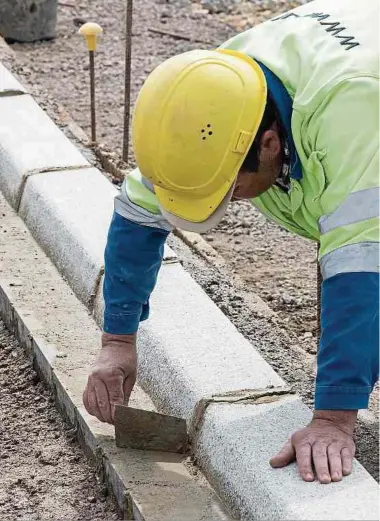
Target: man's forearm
x: 348, y: 356
x: 133, y: 258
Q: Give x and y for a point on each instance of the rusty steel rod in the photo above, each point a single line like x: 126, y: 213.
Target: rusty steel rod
x: 92, y: 91
x: 127, y: 87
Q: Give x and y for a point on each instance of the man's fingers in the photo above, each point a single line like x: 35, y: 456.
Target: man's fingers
x: 304, y: 463
x: 115, y: 388
x: 335, y: 462
x: 286, y: 455
x: 128, y: 386
x: 321, y: 463
x: 103, y: 401
x: 127, y: 389
x: 85, y: 401
x: 347, y: 457
x: 93, y: 403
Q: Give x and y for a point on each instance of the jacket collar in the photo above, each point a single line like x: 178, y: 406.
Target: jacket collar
x: 284, y: 104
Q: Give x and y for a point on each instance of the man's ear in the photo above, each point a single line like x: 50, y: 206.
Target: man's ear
x: 270, y: 145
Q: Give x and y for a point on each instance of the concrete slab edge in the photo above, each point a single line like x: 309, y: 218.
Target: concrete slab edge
x: 38, y: 351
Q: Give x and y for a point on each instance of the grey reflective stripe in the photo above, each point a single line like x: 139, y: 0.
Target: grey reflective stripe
x: 147, y: 184
x: 363, y: 256
x: 358, y: 206
x: 131, y: 211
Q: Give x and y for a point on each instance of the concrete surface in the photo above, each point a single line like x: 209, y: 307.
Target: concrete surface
x: 235, y: 445
x: 8, y: 83
x: 69, y: 213
x: 269, y: 334
x: 30, y: 142
x: 28, y: 20
x: 60, y: 335
x: 189, y: 350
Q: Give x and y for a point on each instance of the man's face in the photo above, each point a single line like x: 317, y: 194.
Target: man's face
x: 252, y: 184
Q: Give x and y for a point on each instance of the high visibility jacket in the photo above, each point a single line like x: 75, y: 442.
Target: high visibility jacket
x: 321, y: 63
x: 326, y: 56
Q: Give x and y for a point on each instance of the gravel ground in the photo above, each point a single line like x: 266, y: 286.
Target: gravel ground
x: 277, y: 265
x: 44, y: 473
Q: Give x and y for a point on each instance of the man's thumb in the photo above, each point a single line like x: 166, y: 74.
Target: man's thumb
x: 286, y: 455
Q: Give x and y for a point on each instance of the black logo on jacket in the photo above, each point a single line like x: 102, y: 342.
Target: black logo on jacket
x: 334, y: 28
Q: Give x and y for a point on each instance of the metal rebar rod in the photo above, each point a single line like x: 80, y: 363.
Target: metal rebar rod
x: 92, y: 90
x: 127, y: 88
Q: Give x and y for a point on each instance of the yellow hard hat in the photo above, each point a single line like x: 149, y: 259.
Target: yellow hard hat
x: 195, y: 119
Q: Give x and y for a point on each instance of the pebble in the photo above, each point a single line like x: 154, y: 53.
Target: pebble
x: 91, y: 499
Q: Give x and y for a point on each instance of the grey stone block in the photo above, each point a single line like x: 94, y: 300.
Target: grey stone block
x: 69, y: 214
x: 8, y: 83
x: 234, y: 447
x: 30, y: 141
x: 169, y: 255
x: 159, y: 486
x: 188, y: 349
x: 98, y: 310
x: 28, y: 20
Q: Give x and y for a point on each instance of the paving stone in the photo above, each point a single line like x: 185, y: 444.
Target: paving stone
x: 188, y: 349
x: 8, y: 83
x: 29, y: 141
x: 235, y: 445
x: 69, y: 214
x: 28, y: 20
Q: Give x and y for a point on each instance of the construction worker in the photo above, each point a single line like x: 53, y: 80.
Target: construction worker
x: 285, y: 114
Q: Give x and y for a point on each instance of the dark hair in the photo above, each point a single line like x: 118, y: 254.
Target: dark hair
x: 252, y: 162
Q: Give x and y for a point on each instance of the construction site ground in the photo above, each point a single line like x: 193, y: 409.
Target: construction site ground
x: 44, y: 473
x: 274, y: 264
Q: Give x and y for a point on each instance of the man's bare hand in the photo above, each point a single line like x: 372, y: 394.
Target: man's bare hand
x: 324, y: 448
x: 113, y: 376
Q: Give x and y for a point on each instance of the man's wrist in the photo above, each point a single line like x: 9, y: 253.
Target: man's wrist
x: 109, y: 339
x: 343, y: 419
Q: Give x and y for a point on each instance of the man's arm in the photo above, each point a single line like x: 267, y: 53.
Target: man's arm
x: 345, y: 127
x: 348, y: 357
x: 133, y: 256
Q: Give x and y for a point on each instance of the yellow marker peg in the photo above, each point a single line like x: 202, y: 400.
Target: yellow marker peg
x: 91, y: 32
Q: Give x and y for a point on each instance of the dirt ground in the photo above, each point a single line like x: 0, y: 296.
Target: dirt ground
x: 278, y: 266
x: 44, y: 473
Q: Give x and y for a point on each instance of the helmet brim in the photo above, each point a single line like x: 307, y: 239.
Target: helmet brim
x: 200, y: 227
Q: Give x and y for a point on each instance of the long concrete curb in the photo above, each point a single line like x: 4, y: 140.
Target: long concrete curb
x: 61, y: 337
x: 188, y: 350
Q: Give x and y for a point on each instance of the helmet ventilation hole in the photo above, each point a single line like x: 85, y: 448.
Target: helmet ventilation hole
x: 209, y: 132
